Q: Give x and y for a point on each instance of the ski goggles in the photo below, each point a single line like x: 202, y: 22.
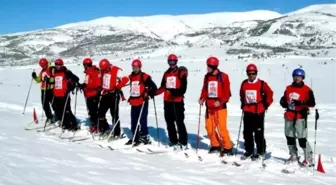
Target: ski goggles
x: 172, y: 62
x: 251, y: 73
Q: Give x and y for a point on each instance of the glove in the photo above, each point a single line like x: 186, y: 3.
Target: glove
x: 242, y: 106
x: 46, y: 79
x: 201, y: 101
x: 217, y: 104
x: 82, y: 86
x: 34, y: 75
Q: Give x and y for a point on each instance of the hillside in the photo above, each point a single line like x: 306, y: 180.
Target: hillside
x: 310, y: 31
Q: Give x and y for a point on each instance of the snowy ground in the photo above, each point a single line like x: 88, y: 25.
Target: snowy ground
x: 28, y: 157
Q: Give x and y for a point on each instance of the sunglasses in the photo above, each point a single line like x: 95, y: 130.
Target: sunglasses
x: 251, y: 74
x: 172, y: 62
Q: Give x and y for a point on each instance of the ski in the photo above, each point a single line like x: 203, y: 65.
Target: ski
x: 76, y: 139
x: 287, y: 171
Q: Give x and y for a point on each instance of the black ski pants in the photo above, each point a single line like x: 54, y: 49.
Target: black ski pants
x: 92, y: 105
x: 254, y: 124
x: 109, y: 101
x: 174, y: 113
x: 62, y: 107
x: 47, y: 100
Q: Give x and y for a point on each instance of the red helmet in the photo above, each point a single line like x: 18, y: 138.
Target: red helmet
x: 251, y: 67
x: 213, y: 61
x: 104, y: 64
x: 43, y: 62
x: 59, y: 62
x: 172, y: 57
x: 87, y: 61
x: 136, y: 63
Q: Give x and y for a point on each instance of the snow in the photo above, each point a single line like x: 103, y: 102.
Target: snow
x: 28, y: 157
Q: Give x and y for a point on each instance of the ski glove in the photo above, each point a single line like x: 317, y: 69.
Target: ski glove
x: 34, y: 75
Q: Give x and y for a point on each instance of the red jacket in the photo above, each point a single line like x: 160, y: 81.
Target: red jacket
x: 173, y: 85
x: 297, y: 100
x: 65, y: 82
x: 216, y: 87
x: 92, y: 81
x: 111, y: 81
x: 256, y: 96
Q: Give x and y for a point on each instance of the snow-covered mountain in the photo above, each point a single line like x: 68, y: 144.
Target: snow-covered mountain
x: 309, y: 31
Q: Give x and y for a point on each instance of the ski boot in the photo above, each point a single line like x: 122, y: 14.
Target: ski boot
x: 246, y: 156
x: 226, y: 152
x: 145, y: 140
x: 214, y: 149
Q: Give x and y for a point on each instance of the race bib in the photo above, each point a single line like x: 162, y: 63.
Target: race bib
x: 58, y: 82
x: 213, y: 89
x: 293, y: 96
x: 86, y: 81
x: 135, y: 89
x: 251, y: 96
x: 106, y: 81
x: 171, y: 82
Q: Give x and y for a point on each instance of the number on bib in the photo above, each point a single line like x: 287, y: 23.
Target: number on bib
x: 58, y: 82
x: 171, y: 82
x: 294, y: 96
x: 106, y: 81
x: 135, y: 89
x: 213, y: 89
x: 251, y: 96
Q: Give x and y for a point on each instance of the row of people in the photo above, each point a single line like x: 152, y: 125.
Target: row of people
x: 103, y: 90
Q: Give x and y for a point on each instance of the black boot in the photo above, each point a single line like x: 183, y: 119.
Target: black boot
x: 227, y: 152
x: 145, y: 140
x: 214, y: 149
x: 246, y: 155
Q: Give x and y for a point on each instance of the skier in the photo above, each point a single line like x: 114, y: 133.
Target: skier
x: 46, y: 79
x: 92, y: 89
x: 112, y: 82
x: 255, y: 97
x: 297, y: 100
x: 216, y: 93
x: 141, y: 88
x: 65, y: 82
x: 174, y: 86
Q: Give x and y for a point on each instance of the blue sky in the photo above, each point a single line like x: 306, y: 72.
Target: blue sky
x: 27, y: 15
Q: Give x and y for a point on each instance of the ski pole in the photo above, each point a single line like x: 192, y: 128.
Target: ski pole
x: 24, y: 109
x: 138, y: 123
x: 114, y: 126
x: 44, y: 98
x: 76, y: 100
x: 157, y: 123
x: 241, y: 121
x: 198, y: 129
x: 317, y: 116
x: 65, y: 106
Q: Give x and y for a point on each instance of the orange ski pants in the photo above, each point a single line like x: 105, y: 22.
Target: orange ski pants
x: 216, y: 126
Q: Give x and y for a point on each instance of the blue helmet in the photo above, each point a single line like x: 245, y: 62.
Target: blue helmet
x: 299, y: 72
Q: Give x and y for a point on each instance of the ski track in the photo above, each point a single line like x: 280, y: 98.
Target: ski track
x: 28, y: 157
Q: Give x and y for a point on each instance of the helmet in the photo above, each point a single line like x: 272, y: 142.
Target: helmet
x: 43, y: 62
x: 104, y: 64
x: 251, y: 67
x: 299, y: 72
x: 213, y: 61
x: 136, y: 63
x: 172, y: 57
x: 87, y: 61
x: 59, y: 62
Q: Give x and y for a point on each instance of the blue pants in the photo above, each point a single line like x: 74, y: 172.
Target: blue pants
x: 135, y: 112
